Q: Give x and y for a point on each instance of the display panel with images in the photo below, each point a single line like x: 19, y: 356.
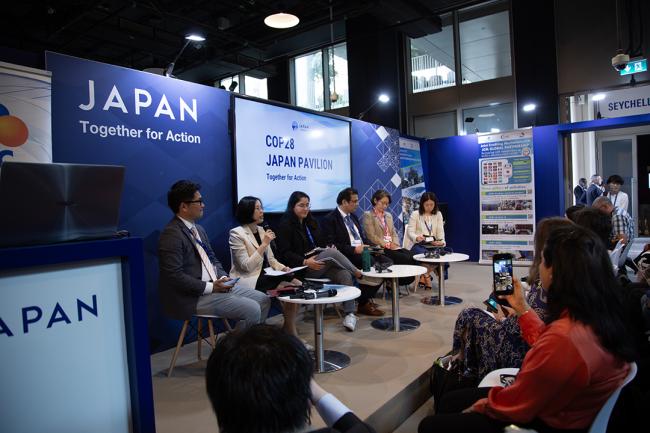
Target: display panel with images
x: 279, y: 150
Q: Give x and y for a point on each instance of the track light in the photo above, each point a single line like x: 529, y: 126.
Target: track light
x: 383, y: 98
x: 189, y: 38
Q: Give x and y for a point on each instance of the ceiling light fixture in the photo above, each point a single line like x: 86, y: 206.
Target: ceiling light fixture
x: 189, y: 38
x: 281, y: 20
x: 383, y: 98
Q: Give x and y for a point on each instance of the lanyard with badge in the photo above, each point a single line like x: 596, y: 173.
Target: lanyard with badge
x: 429, y: 238
x: 382, y: 222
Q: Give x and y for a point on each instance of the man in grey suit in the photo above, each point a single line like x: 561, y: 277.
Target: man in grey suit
x: 192, y: 281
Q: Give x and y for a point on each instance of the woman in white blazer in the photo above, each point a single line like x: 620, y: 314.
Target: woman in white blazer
x: 426, y: 224
x: 250, y: 254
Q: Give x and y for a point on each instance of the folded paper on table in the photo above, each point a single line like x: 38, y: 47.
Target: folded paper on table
x: 273, y: 273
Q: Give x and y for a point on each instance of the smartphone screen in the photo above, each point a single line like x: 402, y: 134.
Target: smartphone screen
x: 492, y: 303
x: 231, y: 283
x: 502, y: 274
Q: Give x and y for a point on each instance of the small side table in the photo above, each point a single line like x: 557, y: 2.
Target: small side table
x: 396, y: 323
x: 441, y: 299
x: 326, y: 360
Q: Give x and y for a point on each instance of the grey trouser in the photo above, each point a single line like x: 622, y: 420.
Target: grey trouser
x: 338, y: 269
x: 248, y: 305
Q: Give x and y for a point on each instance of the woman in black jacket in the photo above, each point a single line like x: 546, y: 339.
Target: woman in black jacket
x: 300, y: 243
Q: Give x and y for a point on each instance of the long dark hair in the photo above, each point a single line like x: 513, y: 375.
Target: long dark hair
x: 426, y: 196
x: 584, y: 284
x: 289, y: 214
x: 544, y: 229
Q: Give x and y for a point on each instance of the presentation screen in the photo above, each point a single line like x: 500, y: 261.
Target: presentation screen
x: 279, y: 150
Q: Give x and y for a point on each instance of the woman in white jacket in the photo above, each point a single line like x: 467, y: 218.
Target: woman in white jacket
x: 250, y: 254
x: 426, y: 224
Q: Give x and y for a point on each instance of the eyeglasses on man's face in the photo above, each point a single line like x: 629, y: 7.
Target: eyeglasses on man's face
x: 199, y: 201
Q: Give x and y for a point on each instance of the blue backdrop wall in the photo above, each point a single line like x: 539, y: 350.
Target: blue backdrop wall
x: 451, y: 170
x: 90, y: 98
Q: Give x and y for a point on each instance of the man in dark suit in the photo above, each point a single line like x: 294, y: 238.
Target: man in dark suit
x: 261, y: 379
x: 595, y: 189
x: 343, y: 230
x: 192, y: 281
x: 580, y: 191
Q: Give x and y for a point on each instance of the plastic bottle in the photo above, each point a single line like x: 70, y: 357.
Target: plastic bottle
x: 365, y: 259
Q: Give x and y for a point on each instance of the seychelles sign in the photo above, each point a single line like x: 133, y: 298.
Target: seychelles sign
x: 626, y: 102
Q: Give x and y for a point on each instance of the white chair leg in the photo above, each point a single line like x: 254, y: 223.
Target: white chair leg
x: 178, y: 348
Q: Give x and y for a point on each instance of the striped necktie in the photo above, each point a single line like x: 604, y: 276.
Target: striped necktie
x: 203, y: 254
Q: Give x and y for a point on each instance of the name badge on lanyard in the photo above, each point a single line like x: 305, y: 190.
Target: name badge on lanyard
x: 355, y: 242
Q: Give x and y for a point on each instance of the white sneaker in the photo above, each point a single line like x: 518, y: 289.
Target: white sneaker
x: 350, y: 322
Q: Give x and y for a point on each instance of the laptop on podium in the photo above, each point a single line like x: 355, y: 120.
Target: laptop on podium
x: 45, y: 203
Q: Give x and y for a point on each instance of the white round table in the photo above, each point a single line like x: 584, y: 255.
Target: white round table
x: 326, y: 360
x: 396, y: 323
x: 441, y: 299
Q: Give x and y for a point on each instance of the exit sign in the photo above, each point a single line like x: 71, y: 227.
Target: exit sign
x: 635, y: 66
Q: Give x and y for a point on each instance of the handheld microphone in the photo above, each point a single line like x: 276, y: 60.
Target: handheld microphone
x: 266, y: 227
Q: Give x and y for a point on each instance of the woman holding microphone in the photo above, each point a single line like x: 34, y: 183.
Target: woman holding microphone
x: 250, y: 254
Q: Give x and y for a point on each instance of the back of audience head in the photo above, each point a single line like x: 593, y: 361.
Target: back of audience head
x: 544, y: 228
x: 258, y: 380
x: 583, y: 283
x: 603, y: 204
x: 571, y: 211
x: 596, y: 221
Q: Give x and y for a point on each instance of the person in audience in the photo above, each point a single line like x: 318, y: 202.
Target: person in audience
x: 618, y: 198
x: 342, y: 229
x: 595, y: 221
x: 261, y: 380
x: 192, y: 281
x: 379, y: 228
x: 301, y: 243
x: 484, y: 342
x: 576, y: 360
x: 622, y: 224
x: 580, y: 190
x: 571, y: 211
x: 251, y: 253
x: 595, y: 189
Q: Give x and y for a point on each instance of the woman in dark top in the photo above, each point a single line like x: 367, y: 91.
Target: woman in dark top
x: 298, y: 237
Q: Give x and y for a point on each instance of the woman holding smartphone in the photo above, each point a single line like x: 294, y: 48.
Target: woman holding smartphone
x: 300, y: 243
x: 484, y: 342
x: 577, y: 358
x: 251, y: 253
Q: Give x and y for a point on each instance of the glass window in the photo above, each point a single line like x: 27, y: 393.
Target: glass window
x: 435, y: 125
x: 432, y: 59
x: 338, y: 76
x: 308, y: 76
x: 255, y: 87
x: 484, y: 43
x: 493, y: 118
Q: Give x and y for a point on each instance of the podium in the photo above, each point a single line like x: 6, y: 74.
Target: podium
x: 73, y: 338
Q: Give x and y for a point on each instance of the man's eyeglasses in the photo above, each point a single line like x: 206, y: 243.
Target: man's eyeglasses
x: 199, y: 201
